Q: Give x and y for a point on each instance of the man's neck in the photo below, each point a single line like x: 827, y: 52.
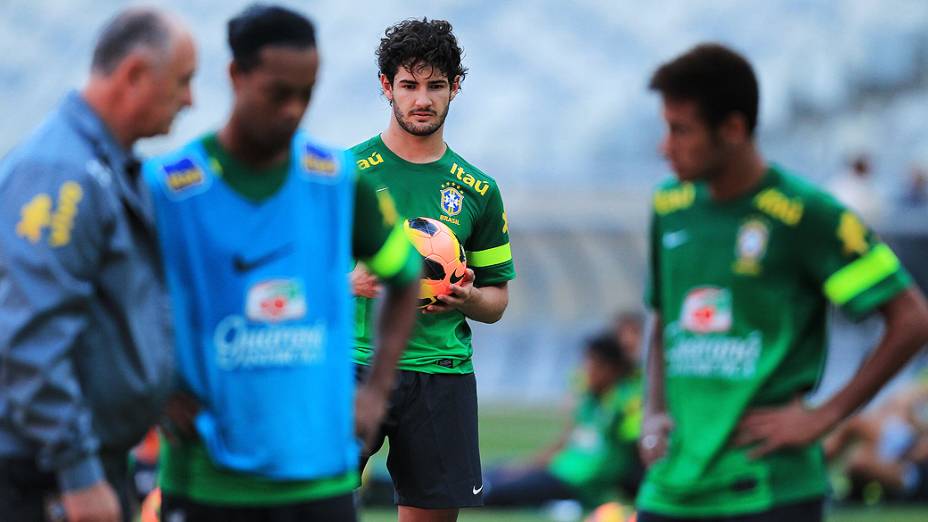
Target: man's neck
x: 739, y: 176
x: 102, y: 98
x: 237, y: 145
x: 605, y: 390
x: 414, y: 149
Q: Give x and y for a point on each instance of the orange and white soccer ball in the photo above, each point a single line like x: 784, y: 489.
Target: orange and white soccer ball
x: 444, y: 261
x: 612, y: 512
x: 151, y: 507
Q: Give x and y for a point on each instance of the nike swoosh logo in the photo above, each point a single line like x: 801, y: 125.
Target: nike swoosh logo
x: 478, y: 490
x: 242, y: 265
x: 675, y: 239
x: 454, y: 280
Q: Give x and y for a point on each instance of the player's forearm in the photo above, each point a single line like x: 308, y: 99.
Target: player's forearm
x: 656, y: 424
x: 397, y: 317
x: 544, y: 458
x: 487, y: 304
x: 654, y: 369
x: 906, y: 331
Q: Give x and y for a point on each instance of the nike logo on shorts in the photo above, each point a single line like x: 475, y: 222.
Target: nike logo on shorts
x: 478, y: 490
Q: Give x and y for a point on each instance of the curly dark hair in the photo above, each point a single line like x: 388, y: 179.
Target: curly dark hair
x: 427, y: 42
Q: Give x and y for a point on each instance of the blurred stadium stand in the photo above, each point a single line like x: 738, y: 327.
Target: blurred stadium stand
x: 555, y: 108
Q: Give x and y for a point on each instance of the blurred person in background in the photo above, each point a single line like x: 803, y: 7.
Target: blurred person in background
x: 434, y: 457
x: 85, y: 349
x: 856, y: 189
x: 596, y: 457
x: 745, y: 259
x: 629, y: 329
x: 915, y: 191
x: 258, y: 223
x: 886, y: 446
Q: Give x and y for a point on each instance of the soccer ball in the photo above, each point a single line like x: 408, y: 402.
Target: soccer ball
x: 612, y: 512
x: 151, y: 507
x: 444, y: 263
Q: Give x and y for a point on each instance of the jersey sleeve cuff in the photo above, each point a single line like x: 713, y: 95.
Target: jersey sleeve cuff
x: 868, y: 301
x: 393, y: 256
x: 493, y: 275
x: 489, y: 257
x: 868, y: 282
x: 81, y: 474
x: 409, y: 273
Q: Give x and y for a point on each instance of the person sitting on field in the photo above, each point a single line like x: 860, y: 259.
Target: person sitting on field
x: 596, y: 456
x: 885, y: 450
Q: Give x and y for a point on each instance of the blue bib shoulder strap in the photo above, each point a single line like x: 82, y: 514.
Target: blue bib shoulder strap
x: 320, y: 163
x: 180, y: 174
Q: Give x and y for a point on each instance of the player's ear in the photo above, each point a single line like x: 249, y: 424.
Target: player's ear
x: 455, y: 87
x: 734, y: 129
x: 235, y: 75
x: 386, y: 87
x: 132, y: 69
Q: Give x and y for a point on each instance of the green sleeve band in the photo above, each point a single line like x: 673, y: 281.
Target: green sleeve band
x: 630, y: 428
x: 857, y: 277
x: 877, y: 295
x: 392, y: 256
x: 490, y: 256
x: 410, y: 273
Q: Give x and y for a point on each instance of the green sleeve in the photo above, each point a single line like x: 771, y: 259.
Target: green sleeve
x: 652, y: 284
x: 855, y: 270
x: 487, y: 249
x: 628, y: 429
x: 378, y: 239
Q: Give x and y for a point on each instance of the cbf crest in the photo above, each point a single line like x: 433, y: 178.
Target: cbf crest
x: 452, y: 199
x: 750, y: 247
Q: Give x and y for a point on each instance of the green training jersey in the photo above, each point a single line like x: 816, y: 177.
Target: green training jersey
x: 468, y: 201
x: 742, y: 288
x: 601, y: 449
x: 186, y: 468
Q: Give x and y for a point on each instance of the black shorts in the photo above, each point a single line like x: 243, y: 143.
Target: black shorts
x: 920, y: 491
x: 434, y: 457
x: 804, y: 511
x: 335, y: 509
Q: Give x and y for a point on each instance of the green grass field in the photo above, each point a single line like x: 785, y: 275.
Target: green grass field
x: 512, y: 433
x: 484, y: 515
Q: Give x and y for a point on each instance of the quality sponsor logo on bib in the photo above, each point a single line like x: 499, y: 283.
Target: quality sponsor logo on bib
x: 274, y: 332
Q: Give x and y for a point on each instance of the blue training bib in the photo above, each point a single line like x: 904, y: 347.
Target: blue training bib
x: 261, y: 309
